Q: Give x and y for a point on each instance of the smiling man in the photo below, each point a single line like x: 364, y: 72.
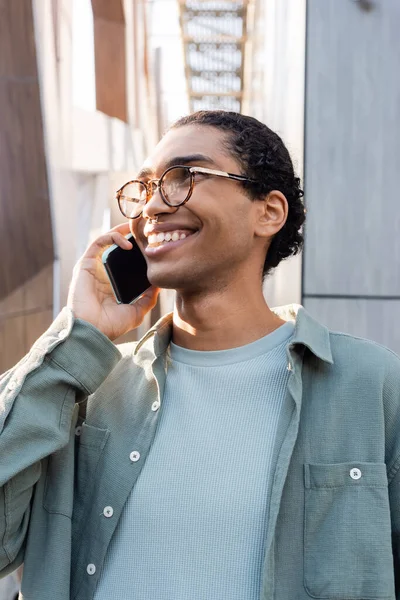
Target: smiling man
x: 235, y: 452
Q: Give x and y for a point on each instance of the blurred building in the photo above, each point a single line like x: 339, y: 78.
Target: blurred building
x: 274, y: 74
x: 81, y: 108
x: 323, y: 74
x: 84, y: 90
x: 214, y: 36
x: 84, y: 98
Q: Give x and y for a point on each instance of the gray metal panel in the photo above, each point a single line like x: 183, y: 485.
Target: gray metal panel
x: 352, y: 160
x: 372, y: 319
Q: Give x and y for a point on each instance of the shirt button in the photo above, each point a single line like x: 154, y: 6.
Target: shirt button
x: 134, y: 456
x: 12, y: 385
x: 108, y: 511
x: 289, y: 367
x: 91, y: 569
x: 355, y: 473
x: 63, y: 334
x: 78, y: 430
x: 155, y: 406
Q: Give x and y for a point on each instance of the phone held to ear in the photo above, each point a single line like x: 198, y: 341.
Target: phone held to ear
x: 127, y: 271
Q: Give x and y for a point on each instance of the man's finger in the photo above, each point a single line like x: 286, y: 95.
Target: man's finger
x: 106, y: 240
x: 122, y: 228
x: 149, y: 299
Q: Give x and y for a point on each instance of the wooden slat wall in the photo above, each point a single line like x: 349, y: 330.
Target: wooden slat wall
x: 26, y: 242
x: 26, y: 239
x: 352, y: 161
x: 110, y: 58
x: 24, y: 316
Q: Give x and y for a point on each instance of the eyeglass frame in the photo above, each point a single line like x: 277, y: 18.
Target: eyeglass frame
x: 155, y: 183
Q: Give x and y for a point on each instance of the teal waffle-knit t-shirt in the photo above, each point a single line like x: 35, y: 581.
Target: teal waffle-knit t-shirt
x: 194, y: 525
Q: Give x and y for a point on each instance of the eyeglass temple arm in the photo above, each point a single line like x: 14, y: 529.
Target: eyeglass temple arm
x: 220, y: 173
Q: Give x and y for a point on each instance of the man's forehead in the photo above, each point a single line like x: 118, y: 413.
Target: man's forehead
x: 186, y: 141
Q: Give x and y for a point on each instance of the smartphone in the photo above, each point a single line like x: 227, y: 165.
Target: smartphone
x: 127, y: 271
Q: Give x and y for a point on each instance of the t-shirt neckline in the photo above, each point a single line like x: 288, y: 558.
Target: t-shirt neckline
x: 215, y: 358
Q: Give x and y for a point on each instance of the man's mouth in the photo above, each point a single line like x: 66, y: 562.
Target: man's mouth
x: 162, y: 238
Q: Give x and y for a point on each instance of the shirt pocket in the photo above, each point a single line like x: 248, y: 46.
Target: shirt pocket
x: 90, y: 443
x: 347, y: 532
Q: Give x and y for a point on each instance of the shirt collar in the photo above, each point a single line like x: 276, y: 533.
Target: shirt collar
x: 308, y: 332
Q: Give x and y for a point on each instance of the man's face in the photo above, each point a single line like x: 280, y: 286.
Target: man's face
x: 217, y: 221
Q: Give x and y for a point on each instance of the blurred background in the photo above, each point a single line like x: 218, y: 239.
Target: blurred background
x: 87, y: 88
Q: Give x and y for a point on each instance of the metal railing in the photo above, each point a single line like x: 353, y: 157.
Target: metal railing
x: 214, y: 34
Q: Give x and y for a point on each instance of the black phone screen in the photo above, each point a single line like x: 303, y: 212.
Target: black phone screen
x: 127, y: 271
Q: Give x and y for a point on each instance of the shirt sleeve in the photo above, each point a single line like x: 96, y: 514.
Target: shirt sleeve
x: 394, y: 496
x: 37, y: 399
x: 391, y: 395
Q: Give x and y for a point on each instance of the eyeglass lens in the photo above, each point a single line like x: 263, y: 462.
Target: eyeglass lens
x: 132, y: 199
x: 175, y: 187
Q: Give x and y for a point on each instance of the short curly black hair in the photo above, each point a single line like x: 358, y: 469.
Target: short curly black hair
x: 263, y: 157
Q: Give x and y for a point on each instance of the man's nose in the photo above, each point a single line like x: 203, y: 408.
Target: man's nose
x: 155, y: 204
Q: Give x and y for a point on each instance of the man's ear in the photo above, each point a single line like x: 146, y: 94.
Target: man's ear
x: 271, y: 213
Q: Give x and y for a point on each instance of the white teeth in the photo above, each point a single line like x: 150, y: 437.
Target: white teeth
x: 153, y: 238
x: 160, y: 238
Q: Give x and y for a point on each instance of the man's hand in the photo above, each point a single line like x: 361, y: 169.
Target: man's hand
x: 90, y: 295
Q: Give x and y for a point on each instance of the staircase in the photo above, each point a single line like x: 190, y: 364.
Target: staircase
x: 214, y: 34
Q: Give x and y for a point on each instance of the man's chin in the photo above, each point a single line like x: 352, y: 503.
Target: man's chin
x: 167, y: 281
x: 171, y: 281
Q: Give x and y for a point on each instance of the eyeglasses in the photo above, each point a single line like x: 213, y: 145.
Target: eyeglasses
x: 175, y: 185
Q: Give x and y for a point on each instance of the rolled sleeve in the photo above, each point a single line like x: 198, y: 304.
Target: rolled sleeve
x: 74, y: 345
x: 87, y: 355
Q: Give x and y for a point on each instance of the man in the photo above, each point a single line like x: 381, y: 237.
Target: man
x: 236, y: 452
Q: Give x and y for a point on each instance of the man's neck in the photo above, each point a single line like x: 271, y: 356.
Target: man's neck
x: 221, y: 320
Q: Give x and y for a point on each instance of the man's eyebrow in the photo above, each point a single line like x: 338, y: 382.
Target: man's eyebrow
x: 177, y: 160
